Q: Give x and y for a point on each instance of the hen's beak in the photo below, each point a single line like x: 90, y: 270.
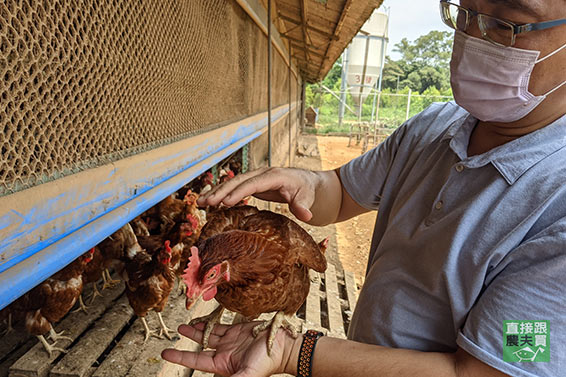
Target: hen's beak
x: 191, y: 301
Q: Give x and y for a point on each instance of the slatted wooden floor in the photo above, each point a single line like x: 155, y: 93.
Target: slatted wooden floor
x: 108, y: 340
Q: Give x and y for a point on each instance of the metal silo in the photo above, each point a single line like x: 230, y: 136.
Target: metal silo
x: 366, y: 56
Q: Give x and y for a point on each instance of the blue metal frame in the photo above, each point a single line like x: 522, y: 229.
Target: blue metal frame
x: 23, y: 269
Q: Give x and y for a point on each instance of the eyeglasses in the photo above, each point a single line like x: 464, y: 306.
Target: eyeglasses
x: 494, y: 30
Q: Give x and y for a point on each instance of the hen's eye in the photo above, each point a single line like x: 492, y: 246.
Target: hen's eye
x: 211, y: 275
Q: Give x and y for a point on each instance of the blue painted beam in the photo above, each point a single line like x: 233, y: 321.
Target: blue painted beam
x: 47, y: 244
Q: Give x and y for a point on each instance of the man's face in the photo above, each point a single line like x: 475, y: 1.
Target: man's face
x: 549, y: 73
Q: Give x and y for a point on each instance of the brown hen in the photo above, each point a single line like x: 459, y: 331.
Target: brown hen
x: 51, y: 300
x: 259, y: 267
x: 150, y: 278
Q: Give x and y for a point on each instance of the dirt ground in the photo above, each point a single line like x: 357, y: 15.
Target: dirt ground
x: 350, y: 240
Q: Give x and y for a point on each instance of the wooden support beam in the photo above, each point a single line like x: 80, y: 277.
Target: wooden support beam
x: 303, y: 26
x: 343, y: 15
x: 309, y: 27
x: 310, y: 51
x: 338, y: 27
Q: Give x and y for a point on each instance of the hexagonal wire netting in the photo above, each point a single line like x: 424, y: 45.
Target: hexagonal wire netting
x: 85, y: 83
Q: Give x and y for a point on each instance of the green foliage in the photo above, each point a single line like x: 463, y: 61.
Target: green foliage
x: 425, y: 63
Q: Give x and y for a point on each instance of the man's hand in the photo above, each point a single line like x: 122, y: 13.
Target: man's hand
x: 236, y: 352
x: 301, y: 189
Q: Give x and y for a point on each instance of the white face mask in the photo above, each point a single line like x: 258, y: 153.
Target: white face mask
x: 492, y: 82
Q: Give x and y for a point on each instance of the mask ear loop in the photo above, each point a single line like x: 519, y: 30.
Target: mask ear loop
x: 555, y: 89
x: 551, y: 54
x: 546, y: 57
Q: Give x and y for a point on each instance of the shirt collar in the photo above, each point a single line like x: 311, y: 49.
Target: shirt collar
x: 511, y: 159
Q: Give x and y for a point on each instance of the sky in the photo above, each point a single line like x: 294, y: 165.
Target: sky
x: 410, y: 19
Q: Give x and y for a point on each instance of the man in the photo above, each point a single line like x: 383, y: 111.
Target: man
x: 471, y: 229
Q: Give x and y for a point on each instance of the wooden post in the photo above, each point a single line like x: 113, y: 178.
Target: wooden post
x: 408, y: 104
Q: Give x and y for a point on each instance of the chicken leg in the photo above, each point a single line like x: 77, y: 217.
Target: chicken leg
x: 148, y: 332
x: 108, y: 281
x: 82, y: 305
x: 211, y: 319
x: 9, y: 329
x: 164, y: 329
x: 278, y: 321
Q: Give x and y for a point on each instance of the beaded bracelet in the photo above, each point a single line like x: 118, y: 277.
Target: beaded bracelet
x: 304, y: 364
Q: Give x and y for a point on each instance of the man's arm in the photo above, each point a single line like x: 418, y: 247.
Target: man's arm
x: 339, y: 357
x: 316, y: 197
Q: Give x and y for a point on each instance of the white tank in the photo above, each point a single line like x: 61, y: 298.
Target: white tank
x: 367, y: 50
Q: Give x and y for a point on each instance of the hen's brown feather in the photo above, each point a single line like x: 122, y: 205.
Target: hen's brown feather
x: 223, y: 219
x: 51, y: 300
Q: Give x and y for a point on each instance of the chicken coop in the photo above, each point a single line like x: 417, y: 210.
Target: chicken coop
x: 109, y: 107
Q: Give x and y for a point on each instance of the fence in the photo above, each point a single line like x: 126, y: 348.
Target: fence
x: 386, y: 109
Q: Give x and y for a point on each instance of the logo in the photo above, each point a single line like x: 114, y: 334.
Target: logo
x: 526, y: 341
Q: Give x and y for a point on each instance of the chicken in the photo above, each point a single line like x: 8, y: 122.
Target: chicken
x: 150, y: 278
x: 139, y: 226
x: 51, y: 300
x: 255, y: 264
x: 161, y: 218
x: 92, y: 273
x: 121, y: 246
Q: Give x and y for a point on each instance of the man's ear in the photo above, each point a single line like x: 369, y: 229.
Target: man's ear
x: 225, y: 270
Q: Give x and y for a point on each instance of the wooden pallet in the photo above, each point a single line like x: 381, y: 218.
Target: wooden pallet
x: 108, y: 340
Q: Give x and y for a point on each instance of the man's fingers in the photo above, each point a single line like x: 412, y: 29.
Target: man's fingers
x: 215, y: 196
x: 197, y: 334
x: 203, y: 360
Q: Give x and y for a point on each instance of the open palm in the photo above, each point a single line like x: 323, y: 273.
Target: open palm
x: 235, y: 352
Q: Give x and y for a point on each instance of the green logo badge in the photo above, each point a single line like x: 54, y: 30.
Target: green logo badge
x: 526, y: 341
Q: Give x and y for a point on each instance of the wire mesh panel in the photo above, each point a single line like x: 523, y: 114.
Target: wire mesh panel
x: 85, y: 83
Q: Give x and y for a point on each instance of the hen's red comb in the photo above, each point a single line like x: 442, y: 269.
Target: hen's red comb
x: 231, y: 174
x: 190, y: 275
x: 168, y: 247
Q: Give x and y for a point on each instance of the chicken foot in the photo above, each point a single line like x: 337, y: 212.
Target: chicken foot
x: 82, y: 306
x: 95, y: 293
x: 279, y: 320
x: 108, y: 281
x: 54, y: 336
x: 50, y: 348
x: 148, y: 332
x: 211, y: 320
x: 164, y: 329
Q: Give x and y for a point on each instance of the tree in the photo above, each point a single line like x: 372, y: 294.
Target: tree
x: 425, y: 63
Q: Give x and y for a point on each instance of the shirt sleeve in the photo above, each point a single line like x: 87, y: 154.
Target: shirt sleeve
x: 528, y: 285
x: 364, y: 177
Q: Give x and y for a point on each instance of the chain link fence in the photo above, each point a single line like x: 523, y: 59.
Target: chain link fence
x: 385, y: 110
